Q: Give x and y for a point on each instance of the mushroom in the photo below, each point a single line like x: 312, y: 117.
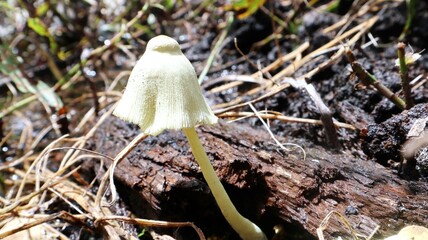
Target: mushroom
x: 163, y: 93
x: 412, y: 232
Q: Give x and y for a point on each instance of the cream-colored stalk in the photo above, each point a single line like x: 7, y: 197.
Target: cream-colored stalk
x: 163, y: 93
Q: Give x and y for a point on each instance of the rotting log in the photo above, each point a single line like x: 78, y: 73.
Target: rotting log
x: 161, y: 180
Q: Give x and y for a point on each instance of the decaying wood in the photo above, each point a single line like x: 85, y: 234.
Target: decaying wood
x: 160, y: 180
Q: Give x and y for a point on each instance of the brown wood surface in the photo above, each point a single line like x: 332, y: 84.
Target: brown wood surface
x: 161, y: 180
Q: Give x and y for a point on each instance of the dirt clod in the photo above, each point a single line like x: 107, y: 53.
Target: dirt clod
x: 384, y: 140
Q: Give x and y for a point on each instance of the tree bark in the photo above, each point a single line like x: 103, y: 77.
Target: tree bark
x: 271, y: 187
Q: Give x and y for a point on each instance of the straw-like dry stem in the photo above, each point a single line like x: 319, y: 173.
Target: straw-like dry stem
x: 368, y: 79
x: 405, y: 83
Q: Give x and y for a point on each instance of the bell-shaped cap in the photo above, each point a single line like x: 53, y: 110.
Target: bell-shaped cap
x: 163, y: 91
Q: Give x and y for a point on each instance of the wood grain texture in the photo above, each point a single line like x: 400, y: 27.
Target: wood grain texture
x: 161, y: 180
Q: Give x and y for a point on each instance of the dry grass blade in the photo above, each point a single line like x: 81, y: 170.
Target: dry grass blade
x: 281, y: 145
x: 279, y: 116
x: 34, y: 194
x: 39, y: 230
x: 103, y: 98
x: 5, y: 138
x: 86, y: 201
x: 324, y: 224
x: 362, y: 27
x: 153, y: 223
x: 109, y: 174
x: 298, y: 51
x: 35, y: 162
x: 357, y: 31
x: 58, y: 184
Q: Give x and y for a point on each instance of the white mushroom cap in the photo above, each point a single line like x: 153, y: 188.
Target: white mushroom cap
x: 163, y: 91
x: 412, y: 232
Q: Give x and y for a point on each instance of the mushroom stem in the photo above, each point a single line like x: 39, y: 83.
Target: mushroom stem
x: 244, y: 227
